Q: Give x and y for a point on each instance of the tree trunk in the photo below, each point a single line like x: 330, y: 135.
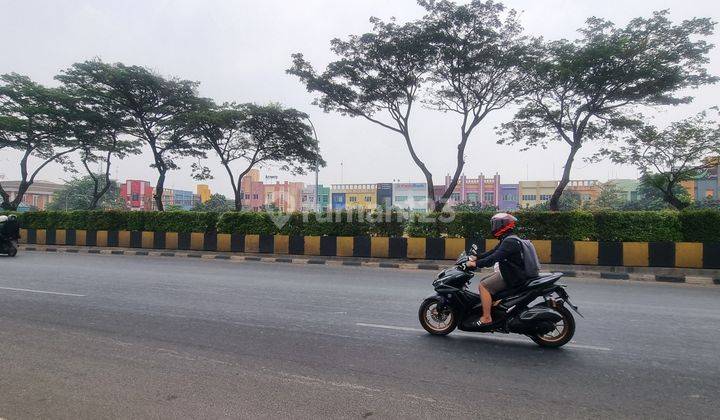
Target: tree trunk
x: 159, y: 190
x: 554, y: 204
x: 440, y: 204
x: 238, y: 200
x: 22, y: 189
x: 5, y: 199
x: 671, y: 199
x: 428, y: 176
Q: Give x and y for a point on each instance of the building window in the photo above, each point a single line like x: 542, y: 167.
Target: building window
x: 135, y: 197
x: 419, y: 197
x: 401, y: 198
x: 368, y: 198
x: 352, y: 199
x: 529, y: 197
x: 455, y: 196
x: 489, y: 197
x: 545, y: 197
x: 255, y: 197
x: 247, y: 196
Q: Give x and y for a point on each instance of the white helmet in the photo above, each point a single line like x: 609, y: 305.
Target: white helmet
x: 3, y: 218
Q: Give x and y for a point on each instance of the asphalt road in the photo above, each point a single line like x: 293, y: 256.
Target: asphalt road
x: 145, y: 337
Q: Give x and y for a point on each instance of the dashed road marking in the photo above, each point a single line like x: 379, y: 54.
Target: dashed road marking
x: 14, y: 289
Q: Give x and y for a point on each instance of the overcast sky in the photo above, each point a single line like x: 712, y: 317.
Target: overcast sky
x: 239, y: 50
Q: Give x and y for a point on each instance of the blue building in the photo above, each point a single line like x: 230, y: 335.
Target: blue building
x: 384, y: 195
x: 509, y: 197
x: 338, y: 201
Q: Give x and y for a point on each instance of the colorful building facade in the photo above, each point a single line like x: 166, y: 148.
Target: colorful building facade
x: 308, y: 198
x: 283, y: 196
x: 478, y: 191
x: 509, y: 197
x: 252, y: 191
x: 203, y: 192
x: 356, y: 196
x: 587, y: 189
x: 384, y: 195
x: 38, y: 196
x: 138, y: 194
x: 410, y: 196
x: 532, y: 193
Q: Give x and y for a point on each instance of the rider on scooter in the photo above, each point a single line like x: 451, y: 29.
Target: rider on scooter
x: 508, y: 255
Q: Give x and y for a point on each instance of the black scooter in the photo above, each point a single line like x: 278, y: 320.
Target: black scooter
x: 9, y: 236
x: 548, y: 323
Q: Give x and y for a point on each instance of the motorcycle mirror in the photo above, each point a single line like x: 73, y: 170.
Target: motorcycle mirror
x: 474, y: 247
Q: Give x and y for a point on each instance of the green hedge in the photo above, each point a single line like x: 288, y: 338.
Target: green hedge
x: 643, y: 226
x: 700, y: 225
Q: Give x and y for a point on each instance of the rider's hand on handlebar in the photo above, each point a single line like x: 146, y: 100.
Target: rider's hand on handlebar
x: 471, y: 262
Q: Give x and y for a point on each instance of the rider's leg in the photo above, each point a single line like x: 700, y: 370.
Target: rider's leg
x: 486, y: 299
x: 487, y: 287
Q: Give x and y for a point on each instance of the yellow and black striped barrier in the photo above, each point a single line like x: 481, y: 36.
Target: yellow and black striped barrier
x: 631, y: 254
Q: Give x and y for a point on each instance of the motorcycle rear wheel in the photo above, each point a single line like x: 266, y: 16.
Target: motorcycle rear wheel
x: 434, y: 322
x: 563, y: 333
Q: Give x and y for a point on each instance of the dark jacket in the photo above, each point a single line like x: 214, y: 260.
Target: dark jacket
x: 508, y: 253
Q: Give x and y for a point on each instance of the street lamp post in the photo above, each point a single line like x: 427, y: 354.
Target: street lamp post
x: 317, y: 170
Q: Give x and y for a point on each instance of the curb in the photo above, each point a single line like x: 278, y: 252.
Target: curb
x: 420, y: 266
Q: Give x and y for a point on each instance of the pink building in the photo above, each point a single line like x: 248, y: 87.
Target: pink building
x: 480, y: 190
x: 253, y: 191
x: 137, y: 194
x: 284, y: 196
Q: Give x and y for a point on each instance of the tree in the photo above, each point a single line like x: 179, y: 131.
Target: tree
x: 587, y: 89
x: 255, y: 135
x: 80, y: 194
x: 99, y: 127
x: 33, y: 122
x: 153, y: 103
x: 460, y: 59
x: 569, y: 201
x: 216, y: 203
x: 609, y: 197
x: 651, y: 198
x: 670, y: 156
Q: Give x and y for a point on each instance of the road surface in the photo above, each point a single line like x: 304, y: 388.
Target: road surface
x: 97, y: 336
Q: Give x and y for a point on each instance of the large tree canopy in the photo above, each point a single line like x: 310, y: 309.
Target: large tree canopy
x: 587, y: 89
x: 33, y: 121
x: 153, y: 103
x: 99, y: 126
x: 255, y: 135
x: 672, y: 155
x: 463, y: 59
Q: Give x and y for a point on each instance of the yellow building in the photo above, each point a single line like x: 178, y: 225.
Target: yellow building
x: 203, y: 191
x: 357, y: 196
x: 532, y: 193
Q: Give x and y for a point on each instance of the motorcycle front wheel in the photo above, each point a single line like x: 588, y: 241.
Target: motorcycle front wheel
x: 561, y: 334
x: 12, y: 252
x: 434, y: 321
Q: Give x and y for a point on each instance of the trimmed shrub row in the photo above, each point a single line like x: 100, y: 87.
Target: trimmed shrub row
x: 642, y: 226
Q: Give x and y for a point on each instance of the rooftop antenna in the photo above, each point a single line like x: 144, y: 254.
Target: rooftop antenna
x: 341, y: 172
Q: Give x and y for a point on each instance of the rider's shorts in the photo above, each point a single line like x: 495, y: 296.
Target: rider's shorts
x: 494, y: 283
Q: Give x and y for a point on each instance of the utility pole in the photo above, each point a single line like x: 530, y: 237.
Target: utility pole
x: 317, y: 170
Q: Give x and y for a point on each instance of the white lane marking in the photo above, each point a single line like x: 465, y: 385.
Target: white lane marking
x: 487, y: 336
x: 41, y: 291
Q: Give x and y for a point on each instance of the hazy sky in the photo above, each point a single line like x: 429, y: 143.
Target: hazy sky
x: 239, y: 51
